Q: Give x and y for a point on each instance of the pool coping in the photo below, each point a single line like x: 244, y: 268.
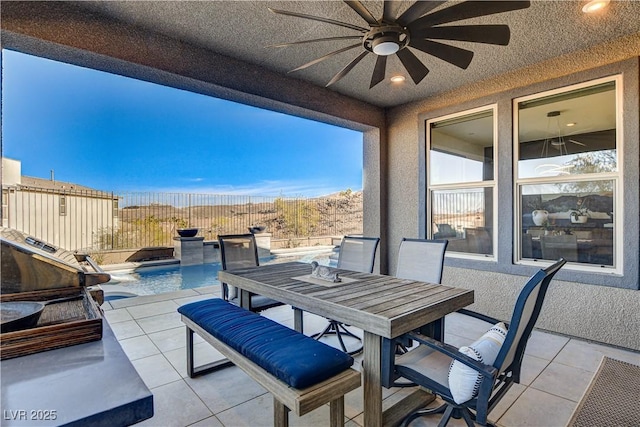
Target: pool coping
x: 133, y: 266
x: 187, y: 294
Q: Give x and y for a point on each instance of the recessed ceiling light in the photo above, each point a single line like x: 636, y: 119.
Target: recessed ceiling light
x: 397, y: 79
x: 594, y: 6
x: 571, y: 124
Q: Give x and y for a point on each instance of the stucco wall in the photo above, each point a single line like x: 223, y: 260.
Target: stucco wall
x: 598, y: 313
x: 590, y: 306
x: 374, y: 180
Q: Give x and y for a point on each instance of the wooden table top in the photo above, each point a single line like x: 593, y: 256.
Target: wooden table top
x: 383, y: 305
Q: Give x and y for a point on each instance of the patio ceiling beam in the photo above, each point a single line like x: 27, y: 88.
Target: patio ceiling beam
x: 65, y: 32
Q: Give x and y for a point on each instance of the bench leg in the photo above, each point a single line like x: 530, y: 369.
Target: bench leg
x: 336, y: 412
x: 195, y: 371
x: 280, y: 414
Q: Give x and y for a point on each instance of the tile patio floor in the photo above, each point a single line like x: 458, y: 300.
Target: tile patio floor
x: 556, y: 371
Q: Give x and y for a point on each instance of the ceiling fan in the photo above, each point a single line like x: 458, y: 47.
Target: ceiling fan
x: 415, y: 28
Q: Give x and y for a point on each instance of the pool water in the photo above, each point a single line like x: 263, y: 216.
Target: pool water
x: 169, y: 278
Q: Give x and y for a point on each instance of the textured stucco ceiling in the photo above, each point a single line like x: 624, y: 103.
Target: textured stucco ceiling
x: 244, y: 29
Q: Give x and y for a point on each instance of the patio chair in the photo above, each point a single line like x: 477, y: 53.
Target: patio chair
x: 478, y: 240
x: 475, y: 377
x: 241, y: 251
x: 554, y: 247
x: 444, y: 230
x: 356, y: 254
x: 421, y: 260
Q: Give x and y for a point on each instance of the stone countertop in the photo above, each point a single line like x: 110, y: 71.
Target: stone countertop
x: 87, y: 384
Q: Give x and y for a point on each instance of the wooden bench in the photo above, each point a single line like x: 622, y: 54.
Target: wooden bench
x: 286, y: 397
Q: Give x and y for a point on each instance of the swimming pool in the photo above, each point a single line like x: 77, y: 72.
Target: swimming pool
x: 174, y: 277
x: 167, y: 278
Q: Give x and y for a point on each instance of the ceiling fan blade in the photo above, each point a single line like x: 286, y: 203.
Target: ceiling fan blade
x: 319, y: 18
x: 416, y: 10
x: 453, y: 55
x: 577, y: 142
x: 490, y: 34
x: 469, y: 9
x: 362, y: 11
x: 315, y: 40
x: 388, y: 11
x: 347, y: 68
x: 379, y: 71
x: 322, y: 58
x: 416, y: 69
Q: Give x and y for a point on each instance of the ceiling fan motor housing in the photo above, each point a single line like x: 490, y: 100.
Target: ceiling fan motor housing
x: 385, y: 40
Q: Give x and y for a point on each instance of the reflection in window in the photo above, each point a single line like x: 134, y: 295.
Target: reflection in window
x: 461, y: 171
x: 568, y: 133
x: 461, y: 149
x: 567, y: 172
x: 557, y: 222
x: 460, y: 216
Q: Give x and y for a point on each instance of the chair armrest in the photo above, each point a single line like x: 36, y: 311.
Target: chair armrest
x: 452, y: 351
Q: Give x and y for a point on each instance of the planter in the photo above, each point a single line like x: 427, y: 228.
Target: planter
x: 539, y: 216
x: 579, y: 219
x: 256, y: 229
x: 187, y: 232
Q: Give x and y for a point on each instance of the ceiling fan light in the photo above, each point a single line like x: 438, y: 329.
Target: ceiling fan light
x: 385, y: 45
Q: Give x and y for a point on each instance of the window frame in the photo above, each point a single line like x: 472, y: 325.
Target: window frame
x: 616, y: 177
x: 492, y: 184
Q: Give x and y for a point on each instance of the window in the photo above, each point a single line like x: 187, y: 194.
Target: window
x: 568, y: 179
x: 5, y: 207
x: 63, y: 205
x: 460, y: 180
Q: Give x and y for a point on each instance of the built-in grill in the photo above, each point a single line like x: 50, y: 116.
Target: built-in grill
x: 46, y: 298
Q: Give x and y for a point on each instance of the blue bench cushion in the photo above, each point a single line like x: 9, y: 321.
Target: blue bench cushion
x: 290, y: 356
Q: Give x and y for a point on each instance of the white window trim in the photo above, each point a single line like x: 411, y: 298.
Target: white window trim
x: 493, y: 184
x: 617, y: 178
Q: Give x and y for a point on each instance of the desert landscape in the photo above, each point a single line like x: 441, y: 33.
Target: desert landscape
x: 291, y: 221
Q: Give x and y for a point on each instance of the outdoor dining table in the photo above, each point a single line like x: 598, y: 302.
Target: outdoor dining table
x: 382, y: 306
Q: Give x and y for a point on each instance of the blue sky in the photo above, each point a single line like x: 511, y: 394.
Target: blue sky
x: 114, y: 133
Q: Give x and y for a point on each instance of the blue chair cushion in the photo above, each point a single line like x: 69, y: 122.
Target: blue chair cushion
x: 290, y: 356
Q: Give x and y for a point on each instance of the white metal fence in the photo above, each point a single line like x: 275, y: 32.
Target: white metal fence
x: 96, y: 220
